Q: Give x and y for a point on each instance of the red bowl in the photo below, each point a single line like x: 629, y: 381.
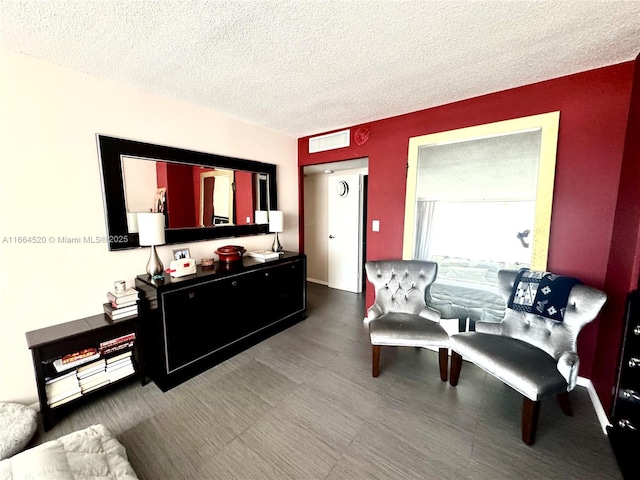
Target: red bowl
x: 230, y: 253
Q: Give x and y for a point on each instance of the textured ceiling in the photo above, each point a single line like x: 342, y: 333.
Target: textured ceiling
x: 308, y: 66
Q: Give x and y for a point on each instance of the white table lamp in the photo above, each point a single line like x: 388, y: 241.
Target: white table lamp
x: 151, y: 233
x: 276, y: 225
x: 262, y: 217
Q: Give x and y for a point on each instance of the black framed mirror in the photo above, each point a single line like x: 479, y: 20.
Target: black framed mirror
x: 142, y: 177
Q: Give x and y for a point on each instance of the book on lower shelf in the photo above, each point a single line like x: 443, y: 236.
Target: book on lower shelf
x: 94, y: 386
x: 62, y: 388
x: 78, y: 394
x: 116, y: 348
x: 91, y: 369
x: 117, y: 358
x: 62, y: 395
x: 263, y: 254
x: 94, y: 381
x: 121, y: 373
x: 118, y: 343
x: 119, y: 364
x: 75, y: 359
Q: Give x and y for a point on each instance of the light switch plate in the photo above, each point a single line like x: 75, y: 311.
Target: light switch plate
x: 375, y: 225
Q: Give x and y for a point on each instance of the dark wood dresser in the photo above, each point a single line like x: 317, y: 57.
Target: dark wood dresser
x: 624, y: 433
x: 192, y: 323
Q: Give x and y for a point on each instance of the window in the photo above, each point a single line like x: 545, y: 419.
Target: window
x: 479, y: 199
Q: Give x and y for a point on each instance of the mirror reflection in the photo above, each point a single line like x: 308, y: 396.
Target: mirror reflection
x: 203, y: 196
x: 191, y: 195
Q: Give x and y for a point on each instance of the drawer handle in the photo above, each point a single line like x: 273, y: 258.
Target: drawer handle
x: 234, y: 283
x: 267, y: 274
x: 631, y: 395
x: 634, y: 362
x: 624, y: 423
x: 636, y: 331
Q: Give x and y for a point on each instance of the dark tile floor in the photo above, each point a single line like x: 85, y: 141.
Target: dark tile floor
x: 303, y: 405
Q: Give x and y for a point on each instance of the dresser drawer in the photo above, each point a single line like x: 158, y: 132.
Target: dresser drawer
x: 630, y: 371
x: 628, y: 408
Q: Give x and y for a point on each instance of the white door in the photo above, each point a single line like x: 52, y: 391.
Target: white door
x: 345, y: 235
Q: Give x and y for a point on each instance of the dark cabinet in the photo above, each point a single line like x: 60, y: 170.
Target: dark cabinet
x: 194, y: 322
x: 109, y: 338
x: 624, y: 433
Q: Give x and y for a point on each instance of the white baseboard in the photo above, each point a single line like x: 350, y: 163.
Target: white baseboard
x: 320, y: 282
x: 595, y: 400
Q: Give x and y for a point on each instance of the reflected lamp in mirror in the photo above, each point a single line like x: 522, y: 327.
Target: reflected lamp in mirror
x: 276, y: 225
x: 151, y: 233
x: 261, y: 217
x: 132, y: 222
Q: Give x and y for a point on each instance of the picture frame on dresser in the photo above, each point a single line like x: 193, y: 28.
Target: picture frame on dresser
x: 180, y: 253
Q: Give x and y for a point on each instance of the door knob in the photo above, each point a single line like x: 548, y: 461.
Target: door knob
x: 331, y: 236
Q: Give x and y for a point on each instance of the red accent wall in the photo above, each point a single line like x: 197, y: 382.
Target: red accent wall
x: 244, y: 197
x: 593, y: 107
x: 624, y: 255
x: 180, y: 195
x: 161, y: 174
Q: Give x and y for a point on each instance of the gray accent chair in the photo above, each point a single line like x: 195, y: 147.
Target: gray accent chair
x: 534, y: 355
x: 400, y: 317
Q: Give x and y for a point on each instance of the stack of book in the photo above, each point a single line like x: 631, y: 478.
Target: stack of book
x: 122, y: 304
x: 75, y: 359
x: 119, y: 366
x: 118, y: 343
x: 263, y: 254
x: 62, y: 389
x: 92, y: 376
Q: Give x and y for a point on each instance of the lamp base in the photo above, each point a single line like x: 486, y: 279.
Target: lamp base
x: 277, y: 247
x: 155, y: 269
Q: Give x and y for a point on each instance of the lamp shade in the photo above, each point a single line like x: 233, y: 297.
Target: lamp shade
x: 151, y: 229
x: 132, y: 222
x: 276, y: 221
x: 262, y: 217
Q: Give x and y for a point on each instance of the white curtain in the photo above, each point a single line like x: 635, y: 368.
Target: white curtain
x: 424, y: 222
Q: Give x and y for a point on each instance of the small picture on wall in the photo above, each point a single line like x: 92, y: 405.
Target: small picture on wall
x: 180, y: 253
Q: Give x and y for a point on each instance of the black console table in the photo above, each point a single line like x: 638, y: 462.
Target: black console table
x: 624, y: 433
x: 194, y: 322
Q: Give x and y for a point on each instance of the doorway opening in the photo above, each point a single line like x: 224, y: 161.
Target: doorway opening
x: 317, y: 219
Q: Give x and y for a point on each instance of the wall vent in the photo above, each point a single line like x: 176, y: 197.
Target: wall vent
x: 330, y: 141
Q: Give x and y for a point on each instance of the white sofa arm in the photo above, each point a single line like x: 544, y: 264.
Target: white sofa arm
x: 568, y: 364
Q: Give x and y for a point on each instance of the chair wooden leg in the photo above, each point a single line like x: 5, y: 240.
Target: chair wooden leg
x: 375, y: 350
x: 530, y: 414
x: 443, y: 357
x: 456, y: 366
x: 565, y: 404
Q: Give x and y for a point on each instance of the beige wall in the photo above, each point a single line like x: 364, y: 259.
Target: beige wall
x: 316, y: 229
x: 50, y: 187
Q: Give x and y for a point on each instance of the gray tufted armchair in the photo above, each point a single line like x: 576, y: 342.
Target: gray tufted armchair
x: 534, y: 355
x: 400, y: 316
